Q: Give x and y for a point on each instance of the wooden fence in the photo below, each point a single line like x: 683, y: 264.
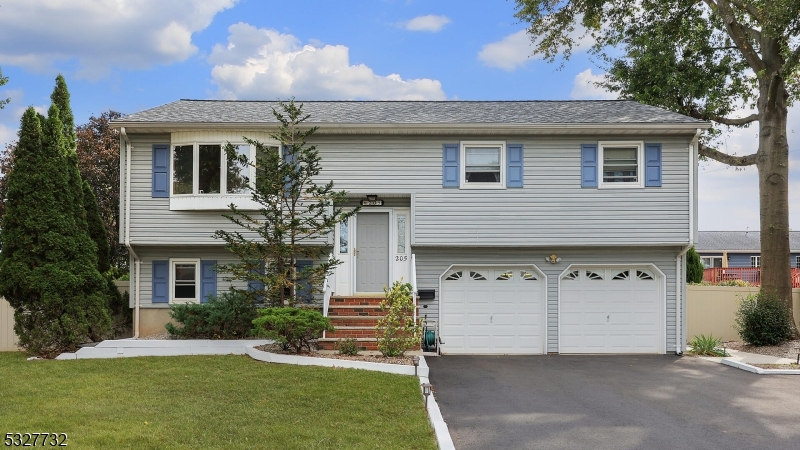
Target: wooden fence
x: 751, y: 275
x: 8, y: 339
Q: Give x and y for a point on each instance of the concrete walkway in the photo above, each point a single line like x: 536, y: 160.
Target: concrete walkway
x: 750, y: 358
x: 121, y: 348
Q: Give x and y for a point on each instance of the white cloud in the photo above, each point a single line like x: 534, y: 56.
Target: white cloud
x: 102, y: 34
x: 728, y: 198
x: 7, y: 136
x: 431, y: 23
x: 259, y: 63
x: 515, y: 49
x: 584, y: 88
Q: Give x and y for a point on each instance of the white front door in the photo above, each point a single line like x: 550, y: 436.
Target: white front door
x: 372, y: 251
x: 611, y: 310
x: 492, y: 310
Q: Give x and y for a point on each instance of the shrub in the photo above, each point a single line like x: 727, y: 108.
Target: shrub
x: 738, y: 283
x: 706, y: 345
x: 347, y: 346
x: 293, y: 328
x: 764, y: 319
x: 229, y: 316
x: 396, y: 331
x: 694, y: 267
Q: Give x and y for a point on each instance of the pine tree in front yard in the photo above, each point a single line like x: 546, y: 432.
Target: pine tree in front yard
x: 49, y: 264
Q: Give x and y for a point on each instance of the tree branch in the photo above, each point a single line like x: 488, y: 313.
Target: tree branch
x: 748, y: 8
x: 725, y: 158
x: 738, y: 32
x: 735, y: 122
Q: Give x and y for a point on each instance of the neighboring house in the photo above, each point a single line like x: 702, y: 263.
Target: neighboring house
x: 738, y: 248
x: 551, y: 226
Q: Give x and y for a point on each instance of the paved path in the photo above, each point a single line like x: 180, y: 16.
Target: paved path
x: 613, y: 402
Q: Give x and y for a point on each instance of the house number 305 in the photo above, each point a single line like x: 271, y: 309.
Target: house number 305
x: 401, y: 258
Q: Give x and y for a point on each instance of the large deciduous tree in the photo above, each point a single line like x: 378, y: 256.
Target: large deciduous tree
x: 297, y: 214
x: 706, y: 59
x: 97, y: 146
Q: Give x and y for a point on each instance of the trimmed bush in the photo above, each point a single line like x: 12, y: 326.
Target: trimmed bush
x: 396, y: 331
x: 347, y: 347
x: 293, y: 328
x: 706, y: 345
x: 694, y: 267
x: 229, y: 316
x: 764, y: 319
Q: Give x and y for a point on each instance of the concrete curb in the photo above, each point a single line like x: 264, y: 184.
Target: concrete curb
x: 759, y: 370
x: 399, y: 369
x: 443, y: 438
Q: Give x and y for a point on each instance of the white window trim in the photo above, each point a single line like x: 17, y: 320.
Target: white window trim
x: 755, y: 260
x: 171, y: 280
x: 711, y: 260
x: 639, y: 160
x: 463, y: 165
x: 216, y: 202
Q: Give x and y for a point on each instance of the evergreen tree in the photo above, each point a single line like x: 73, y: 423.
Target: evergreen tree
x: 97, y: 229
x: 297, y: 214
x: 694, y: 267
x: 49, y: 263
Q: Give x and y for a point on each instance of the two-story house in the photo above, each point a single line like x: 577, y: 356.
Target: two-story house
x: 538, y: 226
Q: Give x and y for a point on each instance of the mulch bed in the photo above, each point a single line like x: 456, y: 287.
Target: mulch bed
x: 404, y: 360
x: 783, y: 350
x: 777, y: 366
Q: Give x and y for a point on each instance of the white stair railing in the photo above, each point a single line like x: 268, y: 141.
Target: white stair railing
x: 414, y: 283
x: 326, y: 293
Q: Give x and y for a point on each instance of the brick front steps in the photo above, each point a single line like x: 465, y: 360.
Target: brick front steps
x: 353, y: 318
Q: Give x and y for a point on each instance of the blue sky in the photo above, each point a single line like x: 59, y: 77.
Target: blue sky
x: 129, y: 55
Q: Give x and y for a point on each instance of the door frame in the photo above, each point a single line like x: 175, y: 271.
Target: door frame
x: 354, y: 239
x: 502, y: 266
x: 662, y: 291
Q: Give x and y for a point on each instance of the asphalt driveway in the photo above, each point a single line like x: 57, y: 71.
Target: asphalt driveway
x: 613, y: 402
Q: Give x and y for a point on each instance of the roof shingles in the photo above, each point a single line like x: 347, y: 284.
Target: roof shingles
x: 417, y: 112
x: 738, y: 241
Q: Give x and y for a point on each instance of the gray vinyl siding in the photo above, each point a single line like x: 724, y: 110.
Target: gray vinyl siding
x: 163, y: 253
x: 432, y: 262
x: 150, y: 254
x: 740, y: 259
x: 551, y: 209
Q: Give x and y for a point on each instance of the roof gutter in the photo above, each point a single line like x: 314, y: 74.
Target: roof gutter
x: 137, y: 262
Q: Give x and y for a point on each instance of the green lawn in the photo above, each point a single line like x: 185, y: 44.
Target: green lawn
x: 202, y: 402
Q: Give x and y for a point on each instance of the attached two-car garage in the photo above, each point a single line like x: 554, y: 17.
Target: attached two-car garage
x: 502, y: 310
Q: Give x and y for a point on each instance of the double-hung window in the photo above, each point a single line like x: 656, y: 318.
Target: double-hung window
x: 755, y: 261
x: 621, y: 164
x: 185, y: 276
x: 484, y: 165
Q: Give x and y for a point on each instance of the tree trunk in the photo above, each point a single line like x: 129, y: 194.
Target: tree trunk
x: 773, y: 180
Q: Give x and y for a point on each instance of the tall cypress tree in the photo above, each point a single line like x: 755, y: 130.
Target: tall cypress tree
x: 49, y: 264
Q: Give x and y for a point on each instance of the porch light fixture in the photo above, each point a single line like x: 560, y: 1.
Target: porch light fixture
x: 372, y: 197
x: 427, y: 388
x: 797, y: 350
x: 415, y: 360
x: 552, y: 259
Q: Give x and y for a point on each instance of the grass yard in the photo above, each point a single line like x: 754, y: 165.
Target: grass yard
x: 205, y: 402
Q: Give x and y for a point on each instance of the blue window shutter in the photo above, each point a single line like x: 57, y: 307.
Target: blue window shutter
x: 160, y: 282
x: 589, y: 165
x: 255, y: 285
x: 303, y: 288
x: 450, y: 170
x: 160, y: 170
x: 514, y: 166
x: 208, y: 280
x: 652, y: 167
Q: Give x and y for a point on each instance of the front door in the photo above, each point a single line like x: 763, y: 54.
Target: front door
x: 372, y: 251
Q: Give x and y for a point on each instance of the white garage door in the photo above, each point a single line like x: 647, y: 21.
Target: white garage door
x: 492, y: 311
x: 604, y: 310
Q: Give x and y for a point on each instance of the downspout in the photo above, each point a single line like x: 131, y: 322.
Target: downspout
x: 137, y: 262
x: 680, y: 276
